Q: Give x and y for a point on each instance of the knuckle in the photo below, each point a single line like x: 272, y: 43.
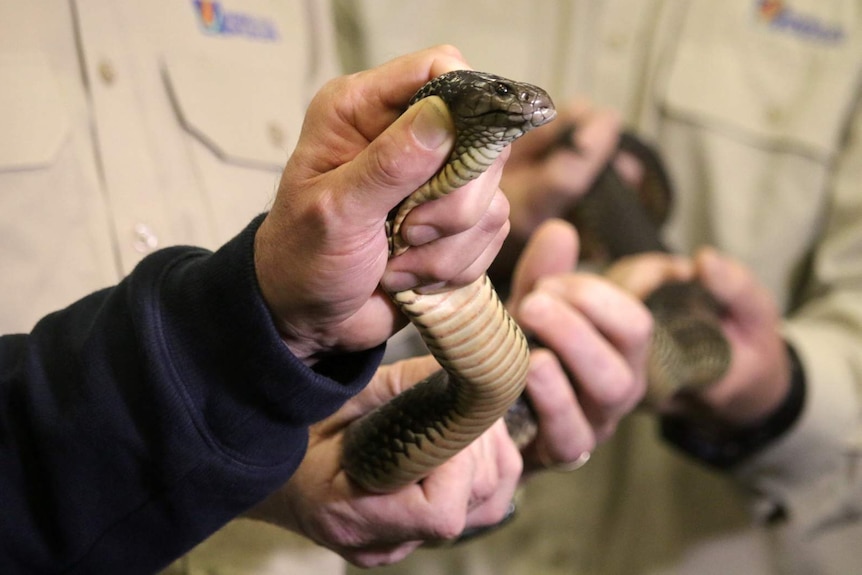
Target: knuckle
x: 605, y: 431
x: 485, y: 486
x: 618, y: 392
x: 497, y: 214
x: 386, y: 169
x: 378, y: 557
x: 439, y: 269
x: 515, y: 465
x: 641, y: 325
x: 556, y: 411
x: 447, y: 525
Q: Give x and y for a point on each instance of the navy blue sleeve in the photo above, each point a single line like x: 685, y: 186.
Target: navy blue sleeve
x: 137, y: 421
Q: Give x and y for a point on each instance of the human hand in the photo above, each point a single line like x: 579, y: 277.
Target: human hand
x: 473, y: 489
x: 759, y: 374
x: 321, y: 253
x: 544, y: 179
x: 590, y: 329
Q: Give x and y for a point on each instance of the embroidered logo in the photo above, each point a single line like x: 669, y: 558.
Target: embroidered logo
x: 214, y: 19
x: 779, y: 16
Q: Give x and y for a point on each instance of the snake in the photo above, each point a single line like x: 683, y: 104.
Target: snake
x: 483, y: 353
x: 482, y: 350
x: 689, y: 351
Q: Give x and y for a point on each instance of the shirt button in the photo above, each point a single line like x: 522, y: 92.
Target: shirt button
x: 107, y: 72
x: 145, y: 240
x: 774, y: 115
x: 616, y: 40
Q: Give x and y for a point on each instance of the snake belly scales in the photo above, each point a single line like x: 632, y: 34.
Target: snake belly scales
x: 483, y: 353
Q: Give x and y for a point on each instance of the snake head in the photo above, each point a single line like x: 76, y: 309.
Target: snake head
x: 489, y: 113
x: 479, y: 100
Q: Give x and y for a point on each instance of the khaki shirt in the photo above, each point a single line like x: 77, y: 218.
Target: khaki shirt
x: 755, y: 107
x: 130, y: 126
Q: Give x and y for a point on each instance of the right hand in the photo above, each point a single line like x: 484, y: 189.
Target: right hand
x: 589, y: 328
x: 545, y: 179
x: 472, y: 489
x: 321, y: 253
x: 759, y: 376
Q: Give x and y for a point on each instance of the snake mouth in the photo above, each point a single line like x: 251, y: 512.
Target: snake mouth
x: 542, y: 116
x: 535, y: 118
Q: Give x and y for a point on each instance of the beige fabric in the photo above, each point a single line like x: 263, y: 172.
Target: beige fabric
x: 127, y: 126
x: 757, y: 113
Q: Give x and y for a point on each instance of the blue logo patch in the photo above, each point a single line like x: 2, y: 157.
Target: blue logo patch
x: 214, y: 19
x: 776, y: 14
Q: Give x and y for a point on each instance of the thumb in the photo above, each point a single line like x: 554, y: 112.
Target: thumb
x: 388, y: 381
x: 733, y: 285
x: 553, y: 249
x: 400, y: 159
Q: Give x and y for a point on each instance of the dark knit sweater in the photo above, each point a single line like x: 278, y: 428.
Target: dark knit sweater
x: 137, y: 421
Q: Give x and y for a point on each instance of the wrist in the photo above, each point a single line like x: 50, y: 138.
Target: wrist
x: 724, y: 446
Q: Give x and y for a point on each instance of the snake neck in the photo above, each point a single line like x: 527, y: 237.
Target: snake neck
x: 475, y: 150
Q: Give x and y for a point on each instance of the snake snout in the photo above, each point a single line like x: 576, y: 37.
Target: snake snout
x: 539, y: 105
x: 542, y: 114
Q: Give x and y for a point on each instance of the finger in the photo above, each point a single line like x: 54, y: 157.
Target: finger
x: 598, y: 136
x: 398, y: 161
x: 447, y: 492
x: 564, y: 433
x: 735, y: 286
x: 620, y: 318
x: 395, y: 378
x: 552, y: 249
x: 451, y: 261
x: 388, y: 381
x: 564, y: 177
x: 641, y: 274
x: 379, y: 555
x: 601, y: 336
x: 480, y: 266
x: 491, y: 503
x: 456, y: 212
x: 383, y: 92
x: 405, y: 149
x: 601, y: 375
x: 573, y: 167
x: 574, y: 113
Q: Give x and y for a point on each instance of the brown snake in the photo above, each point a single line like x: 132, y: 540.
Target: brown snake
x: 483, y: 352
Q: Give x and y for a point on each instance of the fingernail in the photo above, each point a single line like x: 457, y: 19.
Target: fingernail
x: 432, y: 125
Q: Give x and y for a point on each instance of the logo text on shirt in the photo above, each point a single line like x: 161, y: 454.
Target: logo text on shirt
x: 779, y: 16
x: 215, y: 19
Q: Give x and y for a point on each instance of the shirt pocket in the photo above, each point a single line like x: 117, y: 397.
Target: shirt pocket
x: 245, y: 115
x: 774, y: 86
x: 31, y: 113
x: 241, y: 123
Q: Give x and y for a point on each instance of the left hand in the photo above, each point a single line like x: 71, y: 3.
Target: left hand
x: 759, y: 375
x: 473, y: 489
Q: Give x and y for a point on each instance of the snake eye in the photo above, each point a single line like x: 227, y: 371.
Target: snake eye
x: 501, y: 89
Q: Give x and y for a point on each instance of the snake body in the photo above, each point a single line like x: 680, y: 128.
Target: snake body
x: 482, y: 350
